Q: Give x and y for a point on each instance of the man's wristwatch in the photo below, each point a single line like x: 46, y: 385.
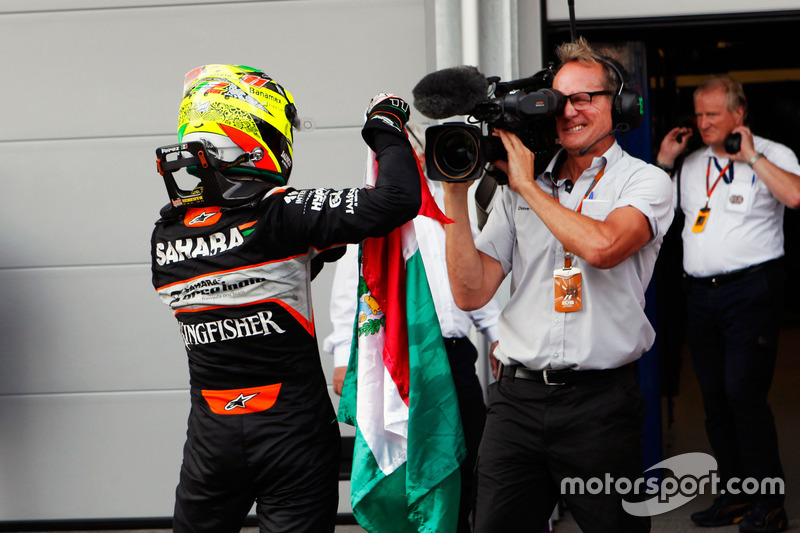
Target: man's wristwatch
x: 755, y: 158
x: 665, y: 168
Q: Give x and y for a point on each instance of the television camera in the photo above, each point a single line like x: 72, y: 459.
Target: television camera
x: 457, y: 151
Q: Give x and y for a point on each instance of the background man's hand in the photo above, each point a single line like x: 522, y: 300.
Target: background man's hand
x: 338, y: 379
x: 673, y: 144
x: 493, y: 360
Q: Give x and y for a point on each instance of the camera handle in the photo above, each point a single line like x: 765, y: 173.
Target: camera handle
x: 484, y: 194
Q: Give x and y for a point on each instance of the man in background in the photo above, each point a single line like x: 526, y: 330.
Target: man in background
x: 733, y: 192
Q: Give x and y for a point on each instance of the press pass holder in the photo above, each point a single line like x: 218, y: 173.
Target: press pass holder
x: 567, y: 286
x: 700, y: 222
x: 702, y: 216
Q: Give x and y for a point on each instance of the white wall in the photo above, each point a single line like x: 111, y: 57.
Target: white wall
x: 93, y: 380
x: 622, y: 9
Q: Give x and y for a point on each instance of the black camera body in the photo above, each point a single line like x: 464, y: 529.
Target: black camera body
x: 456, y: 151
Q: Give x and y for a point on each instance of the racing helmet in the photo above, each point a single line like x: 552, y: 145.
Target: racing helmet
x: 235, y: 134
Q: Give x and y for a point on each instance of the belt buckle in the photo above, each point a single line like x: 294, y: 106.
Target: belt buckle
x: 547, y: 381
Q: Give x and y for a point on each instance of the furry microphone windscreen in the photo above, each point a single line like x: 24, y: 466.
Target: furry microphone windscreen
x: 450, y: 92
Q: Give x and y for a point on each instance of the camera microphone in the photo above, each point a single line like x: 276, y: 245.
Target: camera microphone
x: 450, y: 92
x: 584, y: 150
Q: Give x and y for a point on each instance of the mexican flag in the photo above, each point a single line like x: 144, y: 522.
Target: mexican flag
x: 399, y: 394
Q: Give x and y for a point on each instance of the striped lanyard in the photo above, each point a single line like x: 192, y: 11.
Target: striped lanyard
x: 722, y: 172
x: 588, y: 191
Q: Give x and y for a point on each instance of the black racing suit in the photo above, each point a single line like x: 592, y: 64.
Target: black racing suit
x: 261, y: 426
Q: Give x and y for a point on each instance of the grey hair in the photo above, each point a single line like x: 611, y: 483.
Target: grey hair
x: 734, y: 92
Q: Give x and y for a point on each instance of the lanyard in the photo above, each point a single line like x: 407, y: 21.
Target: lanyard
x: 722, y: 173
x: 588, y: 191
x: 568, y: 255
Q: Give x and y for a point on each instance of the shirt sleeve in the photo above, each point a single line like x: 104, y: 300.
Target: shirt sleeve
x: 343, y: 306
x: 497, y: 237
x: 485, y: 320
x: 779, y: 155
x: 650, y: 191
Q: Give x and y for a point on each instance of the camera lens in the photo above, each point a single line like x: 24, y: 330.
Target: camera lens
x: 456, y: 153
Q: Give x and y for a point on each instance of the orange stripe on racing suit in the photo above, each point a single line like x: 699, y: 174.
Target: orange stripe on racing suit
x: 242, y: 401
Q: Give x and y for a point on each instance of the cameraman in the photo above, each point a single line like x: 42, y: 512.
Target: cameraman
x: 567, y: 402
x: 733, y: 258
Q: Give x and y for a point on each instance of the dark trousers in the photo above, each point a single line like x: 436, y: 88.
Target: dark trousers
x: 733, y: 329
x: 536, y: 435
x: 286, y: 461
x: 462, y: 356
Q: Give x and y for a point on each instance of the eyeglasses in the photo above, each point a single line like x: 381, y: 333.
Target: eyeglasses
x: 581, y: 101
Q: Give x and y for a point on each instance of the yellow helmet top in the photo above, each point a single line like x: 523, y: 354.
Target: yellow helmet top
x: 243, y: 117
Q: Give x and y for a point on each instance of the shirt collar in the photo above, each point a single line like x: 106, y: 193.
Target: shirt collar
x: 608, y: 159
x: 707, y: 151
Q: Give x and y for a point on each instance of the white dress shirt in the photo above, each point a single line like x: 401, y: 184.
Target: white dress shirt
x: 745, y: 221
x: 611, y: 329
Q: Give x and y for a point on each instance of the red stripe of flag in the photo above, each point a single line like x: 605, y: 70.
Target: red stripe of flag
x: 384, y: 273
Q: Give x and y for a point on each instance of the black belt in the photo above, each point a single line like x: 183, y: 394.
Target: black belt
x: 722, y: 279
x: 453, y: 341
x: 561, y: 377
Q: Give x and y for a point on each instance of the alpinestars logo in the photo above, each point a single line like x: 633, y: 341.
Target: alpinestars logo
x: 199, y: 219
x: 240, y: 401
x: 202, y: 216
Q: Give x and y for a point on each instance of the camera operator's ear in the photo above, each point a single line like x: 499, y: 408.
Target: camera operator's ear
x: 627, y: 108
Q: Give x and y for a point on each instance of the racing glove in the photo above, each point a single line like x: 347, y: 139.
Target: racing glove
x: 386, y: 112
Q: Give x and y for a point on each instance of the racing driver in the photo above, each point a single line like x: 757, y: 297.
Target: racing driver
x: 233, y: 256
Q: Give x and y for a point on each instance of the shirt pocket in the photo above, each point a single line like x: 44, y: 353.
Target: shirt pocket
x: 740, y: 197
x: 596, y: 209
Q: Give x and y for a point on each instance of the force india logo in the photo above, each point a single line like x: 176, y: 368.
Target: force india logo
x: 208, y: 289
x: 182, y: 249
